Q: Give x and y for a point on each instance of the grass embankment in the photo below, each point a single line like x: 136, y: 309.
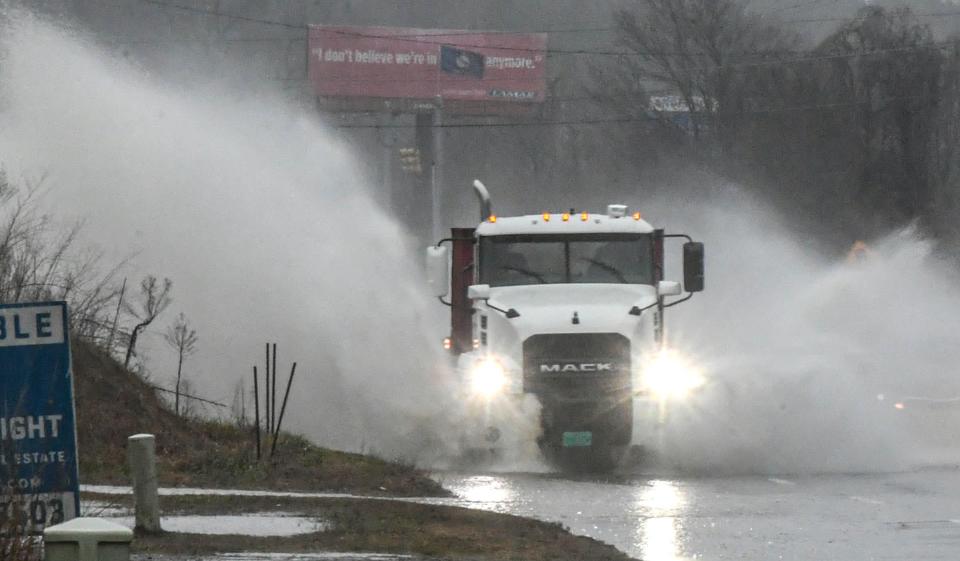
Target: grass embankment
x: 113, y: 403
x: 377, y: 525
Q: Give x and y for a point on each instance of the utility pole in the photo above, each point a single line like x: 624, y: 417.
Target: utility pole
x: 436, y: 177
x: 392, y: 187
x: 386, y: 173
x: 424, y: 187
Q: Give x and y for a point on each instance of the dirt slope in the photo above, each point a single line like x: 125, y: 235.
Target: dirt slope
x: 113, y: 403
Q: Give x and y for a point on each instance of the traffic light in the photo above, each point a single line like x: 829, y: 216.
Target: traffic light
x: 410, y: 160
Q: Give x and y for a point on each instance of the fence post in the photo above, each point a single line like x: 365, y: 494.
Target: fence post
x: 142, y: 458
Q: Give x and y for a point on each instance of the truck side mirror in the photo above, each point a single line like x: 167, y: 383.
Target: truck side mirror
x: 478, y: 292
x: 693, y: 266
x: 438, y: 271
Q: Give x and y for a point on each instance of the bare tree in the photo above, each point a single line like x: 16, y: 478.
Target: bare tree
x: 693, y: 48
x: 183, y: 339
x: 154, y: 299
x: 858, y: 138
x: 238, y: 407
x: 192, y: 407
x: 41, y: 260
x: 854, y: 135
x: 15, y: 542
x: 899, y: 92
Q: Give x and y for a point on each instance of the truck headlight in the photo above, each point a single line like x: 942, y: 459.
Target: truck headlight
x: 487, y: 377
x: 670, y: 375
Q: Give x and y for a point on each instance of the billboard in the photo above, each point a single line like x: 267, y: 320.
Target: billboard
x: 427, y: 64
x: 38, y: 442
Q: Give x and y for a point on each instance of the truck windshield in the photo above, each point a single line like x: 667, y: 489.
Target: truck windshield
x: 553, y: 259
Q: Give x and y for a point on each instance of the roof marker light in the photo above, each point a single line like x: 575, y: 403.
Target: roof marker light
x: 447, y: 343
x: 492, y: 218
x: 616, y: 211
x: 565, y: 216
x: 584, y: 216
x: 546, y: 217
x: 636, y: 215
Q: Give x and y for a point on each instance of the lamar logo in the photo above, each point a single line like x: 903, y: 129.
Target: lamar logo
x: 577, y: 367
x: 513, y: 94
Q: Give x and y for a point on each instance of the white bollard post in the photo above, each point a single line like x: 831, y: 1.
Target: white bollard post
x: 142, y: 459
x: 87, y: 539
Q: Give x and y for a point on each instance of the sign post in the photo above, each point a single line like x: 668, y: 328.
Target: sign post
x: 39, y: 479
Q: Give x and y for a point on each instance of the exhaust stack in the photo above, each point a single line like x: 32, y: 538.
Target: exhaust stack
x: 486, y: 209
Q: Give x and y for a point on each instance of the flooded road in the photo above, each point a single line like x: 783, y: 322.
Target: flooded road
x: 847, y: 517
x: 913, y: 515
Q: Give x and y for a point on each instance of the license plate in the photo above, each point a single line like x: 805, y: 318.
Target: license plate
x: 575, y: 439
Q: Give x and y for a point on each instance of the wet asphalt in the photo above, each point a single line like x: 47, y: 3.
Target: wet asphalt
x: 850, y: 517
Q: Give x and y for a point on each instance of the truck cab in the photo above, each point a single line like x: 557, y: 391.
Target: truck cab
x: 567, y: 308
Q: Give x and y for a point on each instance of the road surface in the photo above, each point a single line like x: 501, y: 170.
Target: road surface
x: 897, y: 516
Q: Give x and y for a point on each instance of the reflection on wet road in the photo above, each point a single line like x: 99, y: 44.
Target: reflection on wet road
x: 658, y: 532
x: 899, y: 516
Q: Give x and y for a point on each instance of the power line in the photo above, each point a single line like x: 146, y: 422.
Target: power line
x: 426, y: 33
x: 629, y: 119
x: 211, y: 402
x: 839, y: 56
x: 443, y: 33
x: 602, y: 99
x: 854, y: 19
x: 463, y: 33
x: 161, y: 40
x: 507, y: 124
x: 418, y: 38
x: 797, y: 6
x: 237, y: 17
x: 575, y: 51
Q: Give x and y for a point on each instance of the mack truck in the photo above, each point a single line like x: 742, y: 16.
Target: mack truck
x: 566, y: 308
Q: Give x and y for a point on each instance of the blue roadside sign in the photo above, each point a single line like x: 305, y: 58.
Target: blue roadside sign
x: 39, y: 479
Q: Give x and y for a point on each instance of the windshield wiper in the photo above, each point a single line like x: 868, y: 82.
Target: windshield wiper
x: 526, y: 272
x: 608, y: 268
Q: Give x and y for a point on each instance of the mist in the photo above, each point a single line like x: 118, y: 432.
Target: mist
x: 807, y: 354
x: 262, y: 218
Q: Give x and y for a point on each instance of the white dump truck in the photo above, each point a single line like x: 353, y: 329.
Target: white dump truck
x: 566, y: 307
